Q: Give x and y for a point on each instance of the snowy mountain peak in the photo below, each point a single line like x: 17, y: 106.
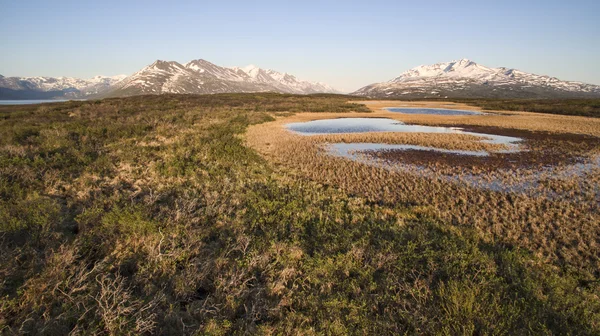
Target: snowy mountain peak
x: 464, y: 62
x: 196, y: 77
x: 111, y: 79
x: 458, y: 68
x: 201, y: 76
x: 161, y: 65
x: 256, y: 73
x: 198, y: 64
x: 200, y: 61
x: 157, y: 63
x: 464, y: 78
x: 250, y: 68
x: 283, y: 81
x: 59, y: 87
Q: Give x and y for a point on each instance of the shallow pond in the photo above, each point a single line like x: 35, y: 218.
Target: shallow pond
x: 529, y: 182
x: 365, y: 125
x: 436, y: 111
x: 502, y: 180
x: 348, y: 150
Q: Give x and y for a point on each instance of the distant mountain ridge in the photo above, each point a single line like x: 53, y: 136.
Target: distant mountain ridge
x: 467, y: 79
x: 196, y: 77
x: 55, y: 88
x: 457, y: 79
x: 203, y: 77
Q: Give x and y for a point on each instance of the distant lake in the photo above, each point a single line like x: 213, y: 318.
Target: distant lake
x: 29, y: 102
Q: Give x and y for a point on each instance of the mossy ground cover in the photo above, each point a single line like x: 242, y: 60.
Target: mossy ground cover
x: 151, y: 215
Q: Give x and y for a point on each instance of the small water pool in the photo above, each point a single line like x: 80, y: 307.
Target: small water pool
x: 349, y: 150
x: 365, y: 125
x: 436, y: 111
x: 499, y: 181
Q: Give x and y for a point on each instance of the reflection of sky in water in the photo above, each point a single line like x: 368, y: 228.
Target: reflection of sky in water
x: 366, y: 125
x: 411, y: 110
x: 346, y: 149
x: 528, y: 182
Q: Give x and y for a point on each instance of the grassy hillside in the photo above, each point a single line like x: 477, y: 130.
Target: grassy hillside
x: 150, y: 215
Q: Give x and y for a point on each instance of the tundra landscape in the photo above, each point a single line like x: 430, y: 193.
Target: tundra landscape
x: 299, y: 168
x: 186, y: 214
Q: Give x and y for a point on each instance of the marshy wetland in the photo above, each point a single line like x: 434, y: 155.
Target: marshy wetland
x: 185, y: 214
x: 492, y: 168
x: 435, y: 111
x: 541, y: 192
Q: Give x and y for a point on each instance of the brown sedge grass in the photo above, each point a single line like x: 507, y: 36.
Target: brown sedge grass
x: 545, y: 226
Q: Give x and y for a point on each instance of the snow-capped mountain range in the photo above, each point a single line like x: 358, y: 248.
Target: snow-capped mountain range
x: 196, y: 77
x: 201, y: 77
x: 50, y: 87
x: 467, y: 79
x: 456, y: 79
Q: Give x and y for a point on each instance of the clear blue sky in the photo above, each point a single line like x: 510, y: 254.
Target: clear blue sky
x: 347, y: 44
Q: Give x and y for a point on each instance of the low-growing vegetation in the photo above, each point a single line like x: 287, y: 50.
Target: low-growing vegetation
x: 574, y: 107
x: 438, y: 140
x: 192, y: 215
x: 589, y: 107
x: 526, y: 121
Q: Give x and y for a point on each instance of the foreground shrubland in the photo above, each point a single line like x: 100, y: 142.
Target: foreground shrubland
x: 151, y: 215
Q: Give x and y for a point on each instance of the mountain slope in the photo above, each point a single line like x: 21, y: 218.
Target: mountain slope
x: 50, y: 87
x: 202, y: 77
x: 467, y: 79
x: 196, y: 77
x: 282, y: 81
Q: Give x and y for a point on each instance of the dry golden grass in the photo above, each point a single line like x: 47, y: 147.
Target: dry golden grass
x: 563, y: 231
x: 518, y: 120
x: 446, y: 141
x: 149, y: 215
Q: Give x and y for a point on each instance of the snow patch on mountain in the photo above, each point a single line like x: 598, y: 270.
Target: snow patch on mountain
x: 465, y: 78
x: 201, y: 77
x: 57, y: 87
x: 196, y: 77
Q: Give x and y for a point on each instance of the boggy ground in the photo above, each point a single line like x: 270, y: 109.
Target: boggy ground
x: 548, y: 140
x: 528, y: 121
x: 538, y: 150
x: 561, y: 231
x: 152, y: 215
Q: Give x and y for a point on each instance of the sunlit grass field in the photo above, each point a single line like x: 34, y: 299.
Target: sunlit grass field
x: 193, y: 215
